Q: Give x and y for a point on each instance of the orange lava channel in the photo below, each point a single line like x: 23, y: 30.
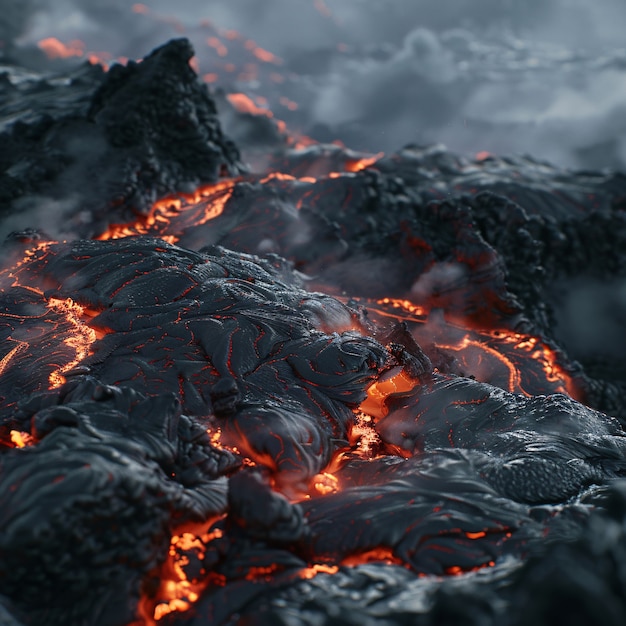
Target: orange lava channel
x: 159, y: 219
x: 79, y: 340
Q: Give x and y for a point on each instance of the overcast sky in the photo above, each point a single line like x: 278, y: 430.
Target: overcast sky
x: 545, y: 77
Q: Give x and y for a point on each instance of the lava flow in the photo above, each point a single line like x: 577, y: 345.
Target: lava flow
x: 328, y: 388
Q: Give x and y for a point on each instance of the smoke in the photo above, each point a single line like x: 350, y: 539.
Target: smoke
x: 14, y: 19
x: 545, y: 78
x: 591, y: 318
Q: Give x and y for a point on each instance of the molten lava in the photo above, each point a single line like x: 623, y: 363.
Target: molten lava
x: 190, y: 412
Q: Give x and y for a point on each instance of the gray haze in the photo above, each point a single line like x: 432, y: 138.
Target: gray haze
x: 545, y: 77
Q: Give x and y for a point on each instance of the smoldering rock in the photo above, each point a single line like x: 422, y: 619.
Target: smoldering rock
x: 111, y: 143
x: 183, y: 333
x: 96, y: 488
x: 541, y: 450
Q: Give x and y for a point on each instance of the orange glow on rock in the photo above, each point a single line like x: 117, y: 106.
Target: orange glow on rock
x: 477, y: 535
x: 140, y: 8
x: 405, y: 305
x: 206, y: 203
x: 378, y: 392
x: 361, y: 164
x: 55, y: 49
x: 375, y: 555
x: 261, y: 573
x: 177, y: 592
x: 245, y: 104
x: 7, y: 358
x: 455, y: 570
x: 488, y: 352
x: 21, y: 439
x: 80, y: 340
x: 102, y: 58
x: 312, y: 571
x: 325, y: 483
x: 514, y: 375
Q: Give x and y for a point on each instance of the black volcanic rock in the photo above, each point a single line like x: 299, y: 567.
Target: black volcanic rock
x: 208, y: 395
x: 109, y: 143
x: 211, y: 362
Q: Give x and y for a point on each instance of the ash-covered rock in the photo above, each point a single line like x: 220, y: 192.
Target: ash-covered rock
x: 88, y: 147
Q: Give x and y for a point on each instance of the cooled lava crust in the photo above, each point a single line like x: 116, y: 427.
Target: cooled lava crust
x: 194, y: 434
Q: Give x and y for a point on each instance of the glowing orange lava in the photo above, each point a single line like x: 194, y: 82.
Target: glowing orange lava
x: 245, y: 104
x: 313, y: 570
x: 8, y: 357
x: 375, y: 555
x: 206, y: 203
x: 55, y: 49
x: 361, y: 164
x: 377, y: 393
x: 80, y: 339
x: 487, y: 350
x: 177, y: 592
x: 21, y: 439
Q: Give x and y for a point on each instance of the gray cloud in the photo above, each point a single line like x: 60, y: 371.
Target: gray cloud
x: 540, y: 77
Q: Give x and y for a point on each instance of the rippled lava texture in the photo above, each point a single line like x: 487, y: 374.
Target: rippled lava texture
x: 199, y: 341
x: 192, y: 413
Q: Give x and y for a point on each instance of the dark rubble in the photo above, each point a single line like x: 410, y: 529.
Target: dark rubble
x: 220, y: 381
